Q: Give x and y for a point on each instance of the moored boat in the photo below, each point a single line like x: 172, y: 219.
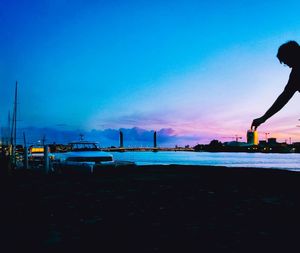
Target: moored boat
x: 84, y: 156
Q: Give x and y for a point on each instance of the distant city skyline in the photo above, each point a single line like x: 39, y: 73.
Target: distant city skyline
x: 202, y: 69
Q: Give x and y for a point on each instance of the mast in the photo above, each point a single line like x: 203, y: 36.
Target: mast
x: 44, y: 139
x: 2, y: 136
x: 8, y: 129
x: 11, y: 123
x: 13, y: 136
x: 24, y: 137
x: 15, y: 114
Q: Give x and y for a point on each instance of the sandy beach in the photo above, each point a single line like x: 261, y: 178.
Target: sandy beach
x: 152, y: 209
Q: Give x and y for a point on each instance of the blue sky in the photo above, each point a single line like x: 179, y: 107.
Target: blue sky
x: 202, y: 68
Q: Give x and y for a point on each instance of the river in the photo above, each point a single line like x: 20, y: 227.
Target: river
x: 290, y: 161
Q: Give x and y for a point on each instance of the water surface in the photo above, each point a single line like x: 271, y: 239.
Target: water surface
x: 290, y: 161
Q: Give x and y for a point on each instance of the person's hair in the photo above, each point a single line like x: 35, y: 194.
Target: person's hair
x: 288, y: 50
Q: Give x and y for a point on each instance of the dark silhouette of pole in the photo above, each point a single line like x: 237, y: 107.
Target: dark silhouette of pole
x: 46, y: 159
x: 25, y: 153
x: 2, y: 137
x: 44, y: 140
x: 121, y: 140
x: 15, y: 113
x: 14, y: 127
x: 11, y: 130
x: 8, y: 129
x: 155, y: 140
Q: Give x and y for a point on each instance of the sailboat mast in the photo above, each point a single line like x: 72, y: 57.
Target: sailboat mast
x: 13, y: 136
x: 8, y: 135
x: 15, y: 114
x: 12, y: 128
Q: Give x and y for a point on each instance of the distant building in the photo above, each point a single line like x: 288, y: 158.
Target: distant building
x: 272, y: 141
x: 252, y: 137
x: 235, y: 144
x: 262, y: 143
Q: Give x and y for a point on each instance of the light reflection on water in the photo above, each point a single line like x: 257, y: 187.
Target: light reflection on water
x: 261, y: 160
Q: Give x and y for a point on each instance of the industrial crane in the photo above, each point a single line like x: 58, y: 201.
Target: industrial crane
x: 236, y: 137
x: 266, y: 135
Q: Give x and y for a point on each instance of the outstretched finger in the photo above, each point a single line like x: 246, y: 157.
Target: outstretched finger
x: 253, y: 127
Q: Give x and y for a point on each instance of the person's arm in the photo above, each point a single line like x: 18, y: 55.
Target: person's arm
x: 279, y: 103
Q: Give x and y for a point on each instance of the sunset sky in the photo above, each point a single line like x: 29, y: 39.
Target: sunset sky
x: 201, y: 69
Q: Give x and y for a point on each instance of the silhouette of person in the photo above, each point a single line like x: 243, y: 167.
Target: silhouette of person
x: 289, y: 55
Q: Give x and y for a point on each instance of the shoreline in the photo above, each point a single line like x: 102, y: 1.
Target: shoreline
x: 154, y: 168
x: 153, y: 209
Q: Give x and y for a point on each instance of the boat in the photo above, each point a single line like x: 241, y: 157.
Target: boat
x: 84, y: 156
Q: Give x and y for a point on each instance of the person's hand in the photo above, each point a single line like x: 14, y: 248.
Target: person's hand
x: 257, y: 122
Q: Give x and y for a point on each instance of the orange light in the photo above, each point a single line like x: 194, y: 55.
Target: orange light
x: 37, y: 150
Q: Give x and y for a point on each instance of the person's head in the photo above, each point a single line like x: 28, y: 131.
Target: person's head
x: 289, y: 53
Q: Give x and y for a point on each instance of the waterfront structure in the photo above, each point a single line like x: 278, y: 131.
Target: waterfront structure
x: 252, y: 137
x: 262, y: 143
x: 155, y: 140
x: 235, y: 144
x: 272, y: 141
x: 121, y: 140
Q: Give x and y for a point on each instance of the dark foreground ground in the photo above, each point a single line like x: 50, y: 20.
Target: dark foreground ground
x: 152, y: 209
